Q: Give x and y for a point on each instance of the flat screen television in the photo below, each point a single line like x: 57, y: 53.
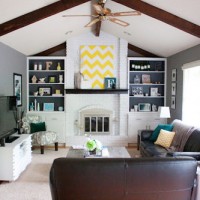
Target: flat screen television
x: 7, y: 117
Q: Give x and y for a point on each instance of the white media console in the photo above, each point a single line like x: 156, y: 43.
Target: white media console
x: 14, y: 157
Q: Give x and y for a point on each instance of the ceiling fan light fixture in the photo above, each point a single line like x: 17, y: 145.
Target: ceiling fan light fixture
x: 102, y: 1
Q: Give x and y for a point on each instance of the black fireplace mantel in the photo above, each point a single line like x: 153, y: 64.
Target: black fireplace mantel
x: 96, y: 91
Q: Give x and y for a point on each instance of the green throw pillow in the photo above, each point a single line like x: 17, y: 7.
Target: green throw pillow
x: 154, y: 136
x: 36, y: 127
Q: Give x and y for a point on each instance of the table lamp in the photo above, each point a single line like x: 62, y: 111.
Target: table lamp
x: 164, y: 112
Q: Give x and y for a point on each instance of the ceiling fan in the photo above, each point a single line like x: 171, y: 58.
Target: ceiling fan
x: 102, y: 14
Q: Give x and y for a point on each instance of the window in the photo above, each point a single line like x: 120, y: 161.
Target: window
x: 191, y: 93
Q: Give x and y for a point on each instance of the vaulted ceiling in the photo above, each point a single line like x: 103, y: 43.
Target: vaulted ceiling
x: 163, y: 29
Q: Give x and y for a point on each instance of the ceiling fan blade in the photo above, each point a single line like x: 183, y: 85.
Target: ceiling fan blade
x: 92, y: 22
x: 118, y: 21
x: 98, y: 9
x: 80, y: 15
x: 129, y: 13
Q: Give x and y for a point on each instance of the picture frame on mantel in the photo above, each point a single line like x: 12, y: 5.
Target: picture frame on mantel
x: 110, y: 82
x: 17, y: 88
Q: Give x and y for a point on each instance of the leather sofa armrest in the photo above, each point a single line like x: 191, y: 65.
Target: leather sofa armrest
x: 145, y: 134
x: 195, y: 155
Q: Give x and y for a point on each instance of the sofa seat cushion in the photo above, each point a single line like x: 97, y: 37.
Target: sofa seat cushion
x: 156, y: 151
x: 152, y: 149
x: 146, y: 143
x: 193, y: 142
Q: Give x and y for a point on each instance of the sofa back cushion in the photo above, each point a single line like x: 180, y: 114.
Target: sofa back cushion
x: 36, y: 127
x: 193, y: 142
x: 183, y: 132
x: 88, y: 178
x: 159, y: 178
x: 154, y: 136
x: 165, y: 138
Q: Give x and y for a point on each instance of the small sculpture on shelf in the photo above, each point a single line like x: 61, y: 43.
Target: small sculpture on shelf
x: 42, y: 80
x: 35, y: 93
x: 48, y: 65
x: 154, y: 108
x: 34, y: 79
x: 60, y: 78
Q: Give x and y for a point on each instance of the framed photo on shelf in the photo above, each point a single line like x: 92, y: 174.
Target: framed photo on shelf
x: 110, y: 83
x: 46, y: 91
x: 52, y: 79
x: 17, y: 88
x: 136, y: 79
x: 146, y: 78
x: 48, y: 107
x: 173, y: 102
x: 144, y: 107
x: 137, y: 91
x: 173, y: 88
x: 173, y: 74
x: 154, y: 91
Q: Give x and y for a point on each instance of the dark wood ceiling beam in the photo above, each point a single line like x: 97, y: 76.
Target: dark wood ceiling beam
x: 38, y: 15
x: 52, y: 50
x: 163, y: 16
x: 141, y: 51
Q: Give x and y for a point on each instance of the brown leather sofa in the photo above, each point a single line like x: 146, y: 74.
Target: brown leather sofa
x: 123, y: 178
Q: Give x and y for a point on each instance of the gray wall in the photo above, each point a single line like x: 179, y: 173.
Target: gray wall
x: 176, y: 62
x: 11, y: 61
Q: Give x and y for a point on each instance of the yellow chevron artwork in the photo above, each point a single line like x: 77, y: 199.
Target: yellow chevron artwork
x: 97, y: 63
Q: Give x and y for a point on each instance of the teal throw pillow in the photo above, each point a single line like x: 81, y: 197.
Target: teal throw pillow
x: 36, y: 127
x: 154, y: 136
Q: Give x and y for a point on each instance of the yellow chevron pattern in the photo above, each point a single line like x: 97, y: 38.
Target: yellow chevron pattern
x: 97, y: 63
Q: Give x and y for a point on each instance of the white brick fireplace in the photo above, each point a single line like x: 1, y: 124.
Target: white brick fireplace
x: 114, y: 105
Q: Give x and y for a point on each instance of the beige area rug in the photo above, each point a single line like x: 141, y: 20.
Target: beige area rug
x: 33, y: 184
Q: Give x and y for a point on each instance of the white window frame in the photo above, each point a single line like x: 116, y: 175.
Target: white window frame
x: 187, y: 115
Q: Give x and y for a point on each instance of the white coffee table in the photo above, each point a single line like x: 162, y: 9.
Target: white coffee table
x: 108, y: 152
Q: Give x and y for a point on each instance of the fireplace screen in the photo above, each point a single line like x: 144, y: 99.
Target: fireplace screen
x: 97, y: 125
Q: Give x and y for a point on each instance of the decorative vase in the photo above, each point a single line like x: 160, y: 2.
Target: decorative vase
x: 92, y: 152
x: 137, y: 79
x: 58, y: 67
